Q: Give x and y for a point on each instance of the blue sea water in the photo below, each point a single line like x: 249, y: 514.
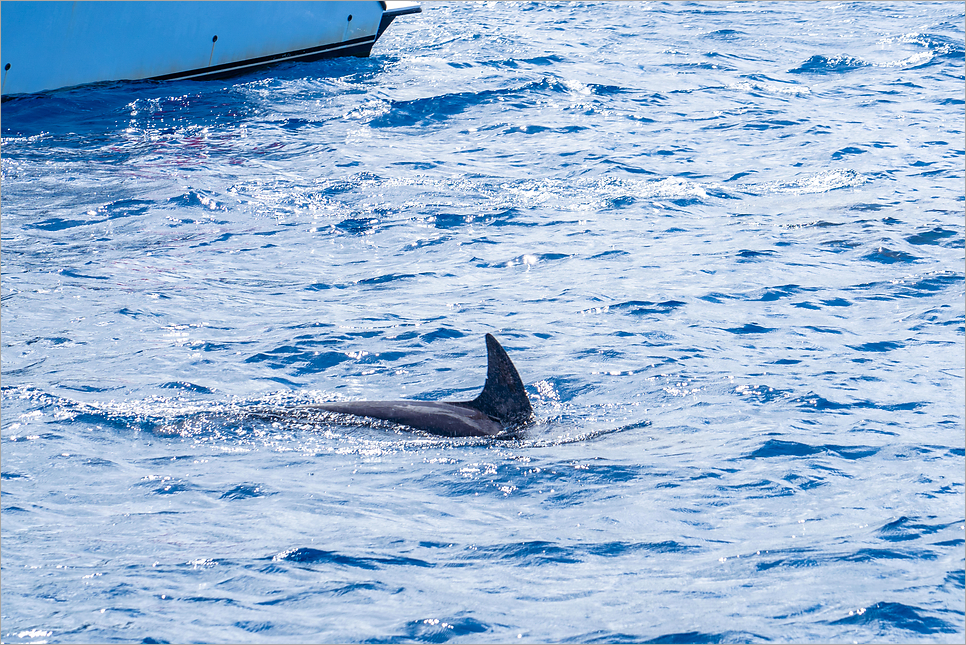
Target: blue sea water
x: 722, y: 242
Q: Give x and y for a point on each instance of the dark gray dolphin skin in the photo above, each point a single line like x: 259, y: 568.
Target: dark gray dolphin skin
x: 502, y: 405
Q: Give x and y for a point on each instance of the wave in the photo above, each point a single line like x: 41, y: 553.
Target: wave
x: 887, y: 617
x: 819, y: 64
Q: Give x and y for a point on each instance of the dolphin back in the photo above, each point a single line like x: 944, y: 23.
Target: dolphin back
x: 503, y: 397
x: 503, y: 404
x: 446, y: 419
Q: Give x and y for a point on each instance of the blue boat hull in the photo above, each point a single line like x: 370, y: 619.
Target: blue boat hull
x: 52, y: 45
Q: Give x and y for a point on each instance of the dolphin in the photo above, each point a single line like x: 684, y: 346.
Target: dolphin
x: 502, y: 405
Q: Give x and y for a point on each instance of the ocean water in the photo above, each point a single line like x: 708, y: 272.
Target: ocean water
x: 723, y: 244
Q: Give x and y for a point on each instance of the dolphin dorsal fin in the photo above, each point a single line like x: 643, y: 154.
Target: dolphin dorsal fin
x: 503, y: 396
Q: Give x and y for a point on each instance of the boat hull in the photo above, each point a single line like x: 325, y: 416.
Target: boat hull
x: 52, y: 45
